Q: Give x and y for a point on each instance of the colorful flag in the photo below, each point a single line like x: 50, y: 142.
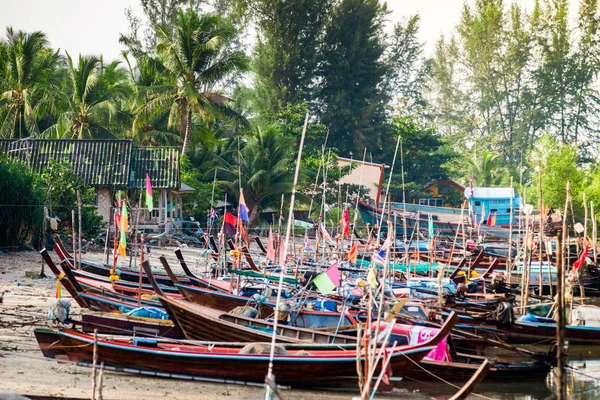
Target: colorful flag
x: 482, y: 213
x: 243, y: 208
x: 213, y: 213
x: 242, y: 231
x: 372, y: 277
x: 327, y: 281
x: 324, y: 232
x: 581, y: 261
x: 430, y: 226
x: 229, y: 222
x: 149, y: 194
x: 377, y: 259
x: 271, y: 247
x: 353, y: 253
x: 489, y: 220
x: 123, y: 226
x: 494, y: 220
x: 345, y: 224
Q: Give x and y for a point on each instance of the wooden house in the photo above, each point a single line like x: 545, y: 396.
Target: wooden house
x: 110, y: 166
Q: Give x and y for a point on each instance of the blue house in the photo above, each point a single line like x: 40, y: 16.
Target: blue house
x: 492, y: 200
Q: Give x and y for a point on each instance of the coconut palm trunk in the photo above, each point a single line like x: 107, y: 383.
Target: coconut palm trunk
x: 188, y: 125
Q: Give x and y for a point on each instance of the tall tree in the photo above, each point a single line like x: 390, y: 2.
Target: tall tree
x: 143, y: 34
x: 285, y: 57
x: 407, y: 69
x: 351, y: 72
x: 198, y: 59
x: 27, y: 75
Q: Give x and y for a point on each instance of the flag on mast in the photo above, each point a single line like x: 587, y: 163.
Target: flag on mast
x: 345, y: 224
x: 123, y: 226
x: 243, y: 208
x: 149, y: 194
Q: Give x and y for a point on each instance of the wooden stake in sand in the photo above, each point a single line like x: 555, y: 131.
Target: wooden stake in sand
x: 95, y: 360
x: 74, y: 238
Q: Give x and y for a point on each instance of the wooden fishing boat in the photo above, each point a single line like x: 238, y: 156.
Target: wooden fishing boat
x: 102, y: 269
x: 373, y: 215
x: 315, y: 367
x: 214, y: 299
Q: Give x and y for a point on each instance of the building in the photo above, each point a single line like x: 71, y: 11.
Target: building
x: 367, y: 174
x: 110, y: 166
x: 483, y: 201
x: 444, y: 192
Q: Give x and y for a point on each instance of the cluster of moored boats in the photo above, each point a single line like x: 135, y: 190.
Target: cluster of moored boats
x: 371, y: 329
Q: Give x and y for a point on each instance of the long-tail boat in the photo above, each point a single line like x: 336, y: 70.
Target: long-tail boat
x: 316, y: 366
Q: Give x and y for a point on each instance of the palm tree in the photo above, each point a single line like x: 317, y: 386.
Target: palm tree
x: 148, y: 127
x: 264, y: 164
x: 487, y: 170
x: 93, y: 107
x: 27, y: 75
x: 198, y: 58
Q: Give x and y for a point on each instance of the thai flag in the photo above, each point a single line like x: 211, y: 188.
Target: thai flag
x: 378, y: 258
x: 243, y: 208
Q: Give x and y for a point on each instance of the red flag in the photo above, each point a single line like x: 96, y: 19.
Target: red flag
x: 489, y: 220
x: 345, y: 224
x: 229, y: 222
x: 353, y: 253
x: 579, y: 263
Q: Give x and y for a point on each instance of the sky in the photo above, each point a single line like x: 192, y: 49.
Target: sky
x: 93, y: 27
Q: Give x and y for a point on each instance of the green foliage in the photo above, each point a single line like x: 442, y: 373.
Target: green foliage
x: 28, y: 70
x: 92, y: 103
x: 61, y: 185
x: 265, y: 165
x: 559, y: 165
x: 198, y: 58
x: 21, y: 202
x: 285, y: 57
x: 352, y: 103
x: 426, y: 156
x: 198, y: 203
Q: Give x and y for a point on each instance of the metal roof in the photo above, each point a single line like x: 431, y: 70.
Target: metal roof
x: 114, y: 163
x: 489, y: 193
x: 160, y: 163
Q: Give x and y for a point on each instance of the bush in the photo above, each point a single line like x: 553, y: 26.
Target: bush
x: 21, y: 202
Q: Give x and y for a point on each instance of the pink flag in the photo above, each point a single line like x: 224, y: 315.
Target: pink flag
x: 271, y: 247
x: 334, y: 274
x: 282, y: 254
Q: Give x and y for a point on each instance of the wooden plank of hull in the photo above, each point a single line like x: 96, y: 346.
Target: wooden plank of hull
x: 328, y: 368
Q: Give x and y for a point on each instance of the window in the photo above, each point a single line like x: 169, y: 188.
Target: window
x: 477, y: 203
x: 493, y: 210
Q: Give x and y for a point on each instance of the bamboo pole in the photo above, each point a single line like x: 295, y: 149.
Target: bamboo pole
x: 510, y: 229
x: 541, y: 235
x: 79, y: 227
x: 560, y: 326
x: 74, y: 241
x: 94, y: 362
x: 270, y: 377
x: 594, y: 232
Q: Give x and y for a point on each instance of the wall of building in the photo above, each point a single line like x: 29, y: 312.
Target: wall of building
x: 371, y: 175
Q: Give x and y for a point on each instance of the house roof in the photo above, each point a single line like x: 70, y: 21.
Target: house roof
x: 451, y: 181
x: 490, y: 193
x: 114, y: 163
